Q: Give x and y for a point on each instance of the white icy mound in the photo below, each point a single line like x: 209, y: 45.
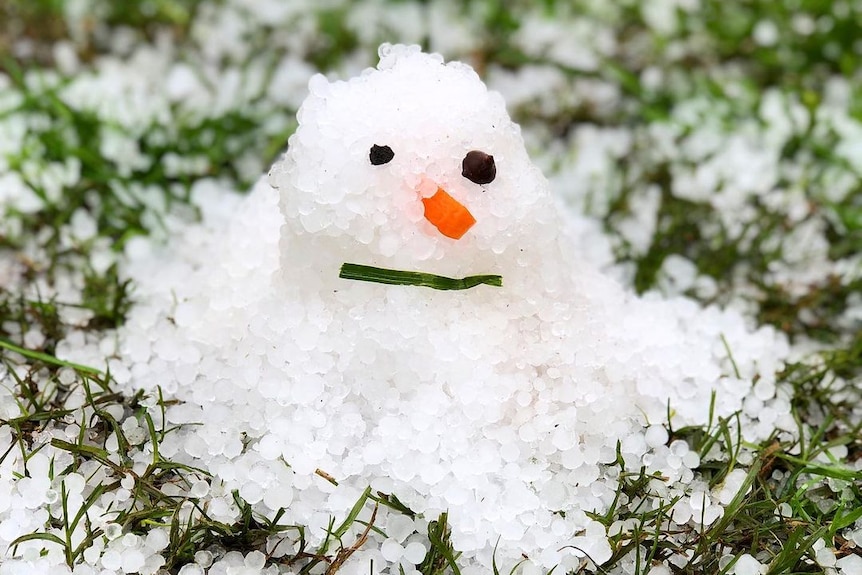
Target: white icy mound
x: 499, y: 404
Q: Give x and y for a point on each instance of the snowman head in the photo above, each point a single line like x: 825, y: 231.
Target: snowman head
x: 414, y: 165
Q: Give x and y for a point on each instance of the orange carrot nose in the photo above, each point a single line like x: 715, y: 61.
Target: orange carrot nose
x: 448, y: 214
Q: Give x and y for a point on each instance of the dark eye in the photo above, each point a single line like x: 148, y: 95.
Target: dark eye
x: 380, y: 155
x: 478, y: 167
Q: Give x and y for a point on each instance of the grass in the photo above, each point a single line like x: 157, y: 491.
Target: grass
x: 774, y: 514
x: 43, y: 22
x: 190, y: 528
x: 39, y: 19
x: 149, y: 507
x: 798, y: 488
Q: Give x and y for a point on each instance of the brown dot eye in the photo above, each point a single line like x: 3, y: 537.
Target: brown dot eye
x: 479, y: 167
x: 380, y: 155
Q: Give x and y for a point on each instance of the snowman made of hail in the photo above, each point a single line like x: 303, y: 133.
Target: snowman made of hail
x: 360, y: 183
x: 466, y: 399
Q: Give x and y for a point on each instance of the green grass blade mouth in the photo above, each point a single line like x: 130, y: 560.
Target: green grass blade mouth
x: 406, y: 278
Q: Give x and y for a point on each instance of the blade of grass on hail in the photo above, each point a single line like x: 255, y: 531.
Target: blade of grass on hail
x: 412, y: 278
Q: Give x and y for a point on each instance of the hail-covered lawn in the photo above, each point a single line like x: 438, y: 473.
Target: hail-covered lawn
x: 709, y: 153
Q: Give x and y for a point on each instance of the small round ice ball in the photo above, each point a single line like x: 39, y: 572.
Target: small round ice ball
x: 656, y: 435
x: 191, y: 569
x: 748, y: 565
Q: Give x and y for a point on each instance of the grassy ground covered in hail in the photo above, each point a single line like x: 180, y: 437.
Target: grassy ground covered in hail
x: 710, y: 151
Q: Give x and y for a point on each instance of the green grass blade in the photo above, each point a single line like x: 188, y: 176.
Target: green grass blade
x: 48, y: 359
x: 354, y: 513
x: 733, y: 507
x: 823, y: 470
x: 34, y: 537
x: 154, y: 442
x: 793, y: 549
x: 400, y: 277
x: 442, y: 541
x: 846, y: 520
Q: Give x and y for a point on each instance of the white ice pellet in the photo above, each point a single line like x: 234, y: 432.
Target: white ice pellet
x: 656, y: 435
x: 74, y: 483
x: 115, y: 410
x: 691, y: 460
x: 681, y: 512
x: 711, y: 514
x: 398, y: 527
x: 199, y: 489
x: 850, y: 565
x: 414, y: 552
x: 825, y: 557
x: 204, y: 558
x: 113, y: 531
x: 156, y: 540
x: 392, y: 550
x: 255, y: 560
x: 129, y: 424
x: 66, y: 376
x: 133, y: 561
x: 191, y: 569
x: 112, y: 560
x: 748, y: 565
x: 137, y: 435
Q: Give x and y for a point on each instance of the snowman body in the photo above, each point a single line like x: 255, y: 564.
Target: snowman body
x: 500, y: 349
